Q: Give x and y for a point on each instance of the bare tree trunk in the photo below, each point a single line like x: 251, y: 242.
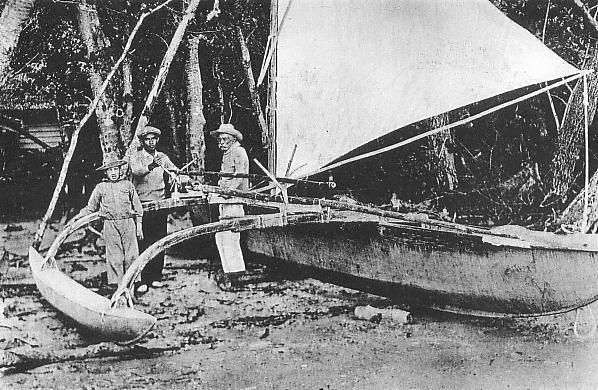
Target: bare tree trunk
x: 217, y: 78
x: 255, y: 98
x: 75, y: 136
x: 126, y: 129
x: 14, y: 15
x: 95, y: 41
x: 170, y: 104
x: 446, y: 173
x: 570, y: 136
x: 196, y: 121
x: 573, y: 214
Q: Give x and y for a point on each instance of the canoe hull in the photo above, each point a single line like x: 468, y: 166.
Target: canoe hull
x: 439, y: 269
x: 87, y: 308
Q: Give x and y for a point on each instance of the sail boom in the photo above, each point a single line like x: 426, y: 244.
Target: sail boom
x: 450, y: 125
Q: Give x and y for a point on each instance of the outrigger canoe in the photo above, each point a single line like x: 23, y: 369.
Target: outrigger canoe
x: 410, y: 258
x: 341, y: 98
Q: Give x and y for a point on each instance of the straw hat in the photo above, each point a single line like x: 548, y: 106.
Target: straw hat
x: 148, y: 130
x: 227, y: 128
x: 111, y: 162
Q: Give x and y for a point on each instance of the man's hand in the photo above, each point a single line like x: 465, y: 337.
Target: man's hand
x: 139, y: 232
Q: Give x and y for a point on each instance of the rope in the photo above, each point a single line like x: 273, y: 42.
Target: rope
x: 584, y: 221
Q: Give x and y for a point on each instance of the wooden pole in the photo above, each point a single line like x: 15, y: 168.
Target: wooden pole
x: 358, y: 207
x: 164, y: 67
x: 253, y: 176
x: 24, y: 360
x: 235, y: 224
x: 163, y: 204
x: 75, y: 136
x: 271, y: 104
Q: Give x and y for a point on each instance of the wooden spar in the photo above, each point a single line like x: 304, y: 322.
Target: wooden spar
x: 410, y: 217
x: 75, y: 136
x: 165, y: 66
x: 328, y: 184
x: 271, y: 102
x: 236, y: 224
x: 171, y: 203
x: 66, y: 232
x: 147, y: 207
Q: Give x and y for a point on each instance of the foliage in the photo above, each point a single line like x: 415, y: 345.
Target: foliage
x: 491, y: 150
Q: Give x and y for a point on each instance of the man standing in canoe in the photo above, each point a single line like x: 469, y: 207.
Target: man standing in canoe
x: 234, y: 160
x: 149, y: 168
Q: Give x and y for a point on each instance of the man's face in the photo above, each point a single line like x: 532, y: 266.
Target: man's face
x: 113, y: 173
x: 149, y: 142
x: 225, y: 141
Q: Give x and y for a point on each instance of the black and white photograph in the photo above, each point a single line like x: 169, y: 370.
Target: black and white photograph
x: 298, y: 194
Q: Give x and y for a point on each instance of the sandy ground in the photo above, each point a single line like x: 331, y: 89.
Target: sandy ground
x: 284, y: 332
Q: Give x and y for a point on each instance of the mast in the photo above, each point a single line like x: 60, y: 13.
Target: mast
x: 271, y: 102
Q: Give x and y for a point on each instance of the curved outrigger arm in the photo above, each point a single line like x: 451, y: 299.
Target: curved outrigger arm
x: 251, y: 222
x: 69, y: 229
x: 73, y: 226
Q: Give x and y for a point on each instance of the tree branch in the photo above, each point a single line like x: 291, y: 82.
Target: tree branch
x: 586, y: 15
x: 75, y: 136
x: 165, y: 66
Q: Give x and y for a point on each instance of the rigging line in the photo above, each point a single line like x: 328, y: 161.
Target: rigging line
x: 550, y: 100
x: 451, y: 125
x: 272, y: 46
x: 584, y: 221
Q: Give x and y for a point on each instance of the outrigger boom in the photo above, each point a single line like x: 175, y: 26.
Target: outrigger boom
x: 286, y: 180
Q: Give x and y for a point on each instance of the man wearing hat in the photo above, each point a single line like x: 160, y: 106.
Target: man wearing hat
x: 234, y: 160
x: 148, y: 169
x: 120, y: 208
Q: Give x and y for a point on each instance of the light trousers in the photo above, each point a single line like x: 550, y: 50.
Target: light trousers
x: 228, y: 242
x: 120, y: 236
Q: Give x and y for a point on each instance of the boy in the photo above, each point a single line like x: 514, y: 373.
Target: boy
x: 120, y: 208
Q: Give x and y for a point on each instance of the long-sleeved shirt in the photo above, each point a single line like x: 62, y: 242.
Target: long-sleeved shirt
x: 234, y: 160
x: 114, y: 200
x: 149, y: 183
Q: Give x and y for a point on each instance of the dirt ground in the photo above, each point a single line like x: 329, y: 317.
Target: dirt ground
x: 281, y: 331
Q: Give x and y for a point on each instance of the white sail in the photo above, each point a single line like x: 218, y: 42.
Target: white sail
x: 351, y: 71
